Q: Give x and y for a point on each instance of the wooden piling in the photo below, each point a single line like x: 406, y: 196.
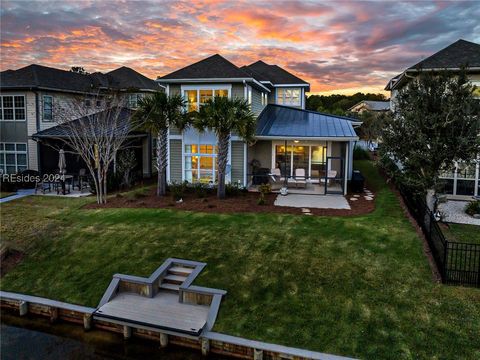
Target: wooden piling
x: 23, y: 308
x: 163, y: 340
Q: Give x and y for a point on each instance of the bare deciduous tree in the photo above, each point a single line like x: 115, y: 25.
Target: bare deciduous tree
x: 96, y: 134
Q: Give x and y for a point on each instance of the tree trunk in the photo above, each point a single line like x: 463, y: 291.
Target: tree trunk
x: 431, y: 200
x: 223, y: 141
x: 162, y: 161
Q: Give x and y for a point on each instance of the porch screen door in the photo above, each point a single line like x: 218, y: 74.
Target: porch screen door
x: 334, y: 175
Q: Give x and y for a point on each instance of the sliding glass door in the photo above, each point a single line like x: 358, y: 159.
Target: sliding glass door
x: 311, y: 158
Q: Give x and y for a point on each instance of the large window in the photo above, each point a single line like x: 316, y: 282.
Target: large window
x: 13, y: 157
x: 12, y: 108
x: 47, y: 108
x: 133, y: 100
x: 201, y: 163
x: 195, y: 98
x: 287, y: 96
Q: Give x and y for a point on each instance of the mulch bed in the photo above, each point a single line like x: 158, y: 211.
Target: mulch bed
x: 243, y: 203
x: 11, y: 259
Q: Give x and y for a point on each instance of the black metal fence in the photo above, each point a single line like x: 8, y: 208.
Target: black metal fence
x: 458, y: 263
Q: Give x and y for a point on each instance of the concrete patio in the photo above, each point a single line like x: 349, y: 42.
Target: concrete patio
x: 313, y: 201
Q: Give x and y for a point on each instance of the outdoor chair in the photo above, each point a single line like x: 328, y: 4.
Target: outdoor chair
x: 300, y: 179
x: 82, y: 180
x: 42, y: 186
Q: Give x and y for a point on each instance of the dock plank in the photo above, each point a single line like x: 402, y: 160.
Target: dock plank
x: 163, y: 310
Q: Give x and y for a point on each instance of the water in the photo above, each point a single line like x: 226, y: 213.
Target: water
x: 34, y: 338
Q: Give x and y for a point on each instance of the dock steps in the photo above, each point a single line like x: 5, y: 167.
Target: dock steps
x: 180, y: 270
x: 168, y: 286
x: 174, y: 279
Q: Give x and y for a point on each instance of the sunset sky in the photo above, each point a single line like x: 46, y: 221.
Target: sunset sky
x: 339, y: 47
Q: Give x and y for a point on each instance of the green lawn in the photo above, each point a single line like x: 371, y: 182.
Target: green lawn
x: 356, y: 286
x: 5, y: 194
x: 462, y: 233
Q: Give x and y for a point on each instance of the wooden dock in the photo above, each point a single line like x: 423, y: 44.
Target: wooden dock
x: 163, y: 311
x: 166, y: 301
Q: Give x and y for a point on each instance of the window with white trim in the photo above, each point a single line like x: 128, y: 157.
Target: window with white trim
x: 201, y: 163
x: 133, y: 100
x: 47, y: 108
x: 12, y: 108
x: 195, y: 98
x: 289, y: 96
x: 13, y: 157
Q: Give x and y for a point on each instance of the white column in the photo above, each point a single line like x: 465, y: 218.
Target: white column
x: 346, y: 168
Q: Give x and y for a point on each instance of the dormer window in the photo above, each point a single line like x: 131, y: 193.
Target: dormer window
x: 289, y: 96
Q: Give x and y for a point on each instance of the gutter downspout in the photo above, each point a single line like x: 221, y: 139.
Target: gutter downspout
x: 37, y: 120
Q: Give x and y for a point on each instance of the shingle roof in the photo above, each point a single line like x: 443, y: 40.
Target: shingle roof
x: 275, y: 74
x: 287, y: 122
x: 37, y: 76
x: 215, y: 66
x: 61, y: 131
x: 125, y: 78
x: 455, y: 55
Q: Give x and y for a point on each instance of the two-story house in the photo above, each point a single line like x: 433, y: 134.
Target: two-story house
x: 463, y: 180
x: 288, y: 137
x: 27, y: 116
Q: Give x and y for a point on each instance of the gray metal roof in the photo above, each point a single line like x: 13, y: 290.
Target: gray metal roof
x: 277, y: 121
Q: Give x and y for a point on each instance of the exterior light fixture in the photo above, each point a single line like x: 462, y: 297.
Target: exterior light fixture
x: 296, y: 141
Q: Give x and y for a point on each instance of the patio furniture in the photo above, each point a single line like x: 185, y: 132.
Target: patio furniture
x: 82, y: 182
x: 300, y: 179
x: 42, y: 186
x: 64, y: 184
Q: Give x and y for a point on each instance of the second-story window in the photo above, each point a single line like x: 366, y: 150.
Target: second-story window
x: 195, y: 98
x: 287, y: 96
x: 47, y: 108
x: 12, y: 108
x: 133, y: 100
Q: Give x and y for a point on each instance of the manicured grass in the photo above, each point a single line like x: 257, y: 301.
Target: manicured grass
x: 462, y: 233
x: 5, y: 194
x: 356, y: 286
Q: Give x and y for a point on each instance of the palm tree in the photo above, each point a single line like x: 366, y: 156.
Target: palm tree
x: 157, y: 113
x: 223, y: 116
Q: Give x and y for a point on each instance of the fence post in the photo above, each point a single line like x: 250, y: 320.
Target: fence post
x: 445, y: 261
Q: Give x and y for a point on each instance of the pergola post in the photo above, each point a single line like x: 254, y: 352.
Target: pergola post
x: 345, y: 174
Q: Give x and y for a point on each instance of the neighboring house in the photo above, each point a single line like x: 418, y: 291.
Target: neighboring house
x: 372, y: 106
x: 27, y: 119
x: 463, y: 179
x: 288, y: 137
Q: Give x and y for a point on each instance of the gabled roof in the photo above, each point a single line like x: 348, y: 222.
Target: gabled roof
x: 275, y: 74
x: 373, y: 105
x: 36, y: 76
x: 44, y: 77
x: 126, y: 78
x: 454, y: 56
x: 283, y: 122
x: 213, y: 67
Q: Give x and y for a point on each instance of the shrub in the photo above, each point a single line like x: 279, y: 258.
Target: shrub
x: 178, y: 189
x: 360, y: 153
x: 473, y: 207
x: 201, y: 190
x: 234, y: 189
x: 264, y: 190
